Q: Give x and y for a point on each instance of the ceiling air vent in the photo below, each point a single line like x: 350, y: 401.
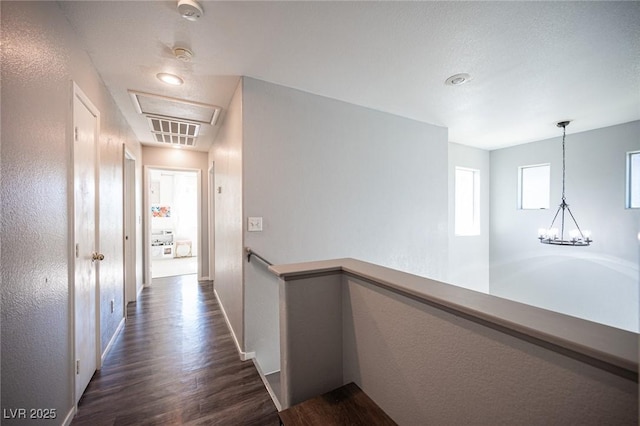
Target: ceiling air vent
x: 174, y: 132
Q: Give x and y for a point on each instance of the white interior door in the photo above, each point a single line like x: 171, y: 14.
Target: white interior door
x: 85, y: 123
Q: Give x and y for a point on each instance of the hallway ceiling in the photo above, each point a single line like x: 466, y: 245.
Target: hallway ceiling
x: 532, y: 63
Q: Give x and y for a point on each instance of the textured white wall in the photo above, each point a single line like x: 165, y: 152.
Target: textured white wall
x: 40, y: 58
x: 187, y: 159
x: 226, y: 154
x: 469, y: 255
x: 333, y: 180
x: 600, y: 282
x: 114, y: 134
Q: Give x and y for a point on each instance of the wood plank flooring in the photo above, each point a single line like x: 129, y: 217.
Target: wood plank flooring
x: 175, y: 363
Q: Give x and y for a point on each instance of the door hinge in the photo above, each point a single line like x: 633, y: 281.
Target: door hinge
x: 77, y: 250
x: 77, y: 366
x: 75, y: 133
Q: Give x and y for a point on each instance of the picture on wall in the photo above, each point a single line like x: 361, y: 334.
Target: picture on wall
x: 161, y: 211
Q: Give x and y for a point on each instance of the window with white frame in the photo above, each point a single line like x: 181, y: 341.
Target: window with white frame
x: 633, y: 180
x: 467, y: 201
x: 534, y: 188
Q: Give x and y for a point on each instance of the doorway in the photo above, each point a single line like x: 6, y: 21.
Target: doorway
x: 174, y: 218
x: 130, y: 220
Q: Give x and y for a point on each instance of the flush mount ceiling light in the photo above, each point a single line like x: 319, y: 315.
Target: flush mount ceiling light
x: 550, y: 235
x: 458, y: 79
x: 171, y: 79
x: 190, y: 9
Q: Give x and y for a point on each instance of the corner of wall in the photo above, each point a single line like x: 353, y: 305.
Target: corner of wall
x: 227, y: 156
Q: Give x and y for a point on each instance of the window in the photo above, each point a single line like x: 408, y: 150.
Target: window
x: 633, y: 180
x: 467, y: 199
x: 534, y: 186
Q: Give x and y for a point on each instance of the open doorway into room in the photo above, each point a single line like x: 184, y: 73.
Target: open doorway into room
x: 173, y: 215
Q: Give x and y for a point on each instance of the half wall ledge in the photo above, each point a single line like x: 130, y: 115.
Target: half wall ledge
x: 601, y: 346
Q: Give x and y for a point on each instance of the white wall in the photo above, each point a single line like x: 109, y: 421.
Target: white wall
x: 40, y: 58
x: 226, y: 155
x: 334, y: 180
x: 600, y: 282
x: 185, y: 159
x: 469, y: 255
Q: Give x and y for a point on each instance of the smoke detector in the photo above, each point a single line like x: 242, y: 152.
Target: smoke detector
x: 458, y: 79
x: 183, y: 54
x: 190, y: 9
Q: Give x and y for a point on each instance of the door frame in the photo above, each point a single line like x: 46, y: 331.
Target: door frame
x: 212, y: 221
x: 130, y: 223
x: 147, y: 218
x: 76, y: 92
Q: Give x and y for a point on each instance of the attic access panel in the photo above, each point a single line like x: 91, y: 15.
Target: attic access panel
x: 173, y: 108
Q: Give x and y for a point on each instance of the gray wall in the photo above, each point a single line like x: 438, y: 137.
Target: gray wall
x: 226, y: 155
x: 469, y: 255
x: 40, y: 58
x: 334, y: 180
x: 425, y: 366
x: 600, y: 282
x: 186, y: 159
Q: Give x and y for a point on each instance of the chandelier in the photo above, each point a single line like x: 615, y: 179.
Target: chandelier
x: 551, y: 235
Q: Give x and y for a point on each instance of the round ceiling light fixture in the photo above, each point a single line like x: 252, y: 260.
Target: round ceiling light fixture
x: 458, y: 79
x: 171, y: 79
x: 190, y: 9
x: 183, y: 54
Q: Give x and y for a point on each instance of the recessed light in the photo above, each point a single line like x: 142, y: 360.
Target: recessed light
x: 458, y: 79
x: 171, y: 79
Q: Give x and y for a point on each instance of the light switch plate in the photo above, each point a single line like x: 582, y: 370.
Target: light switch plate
x: 254, y: 224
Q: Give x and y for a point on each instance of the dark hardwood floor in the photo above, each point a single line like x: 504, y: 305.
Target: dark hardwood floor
x: 175, y: 363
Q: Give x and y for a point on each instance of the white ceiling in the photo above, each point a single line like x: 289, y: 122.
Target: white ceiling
x: 532, y: 63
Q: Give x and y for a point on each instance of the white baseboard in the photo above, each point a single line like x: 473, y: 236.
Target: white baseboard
x: 139, y: 292
x: 112, y: 341
x: 69, y: 417
x: 244, y: 356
